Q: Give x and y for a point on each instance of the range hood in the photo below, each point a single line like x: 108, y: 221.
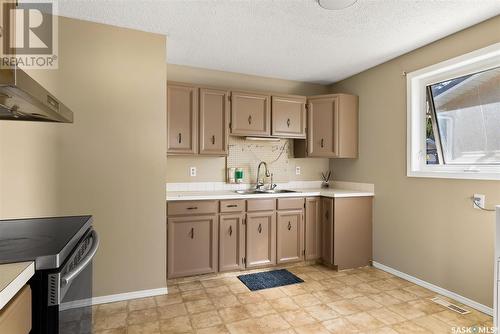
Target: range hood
x: 24, y: 99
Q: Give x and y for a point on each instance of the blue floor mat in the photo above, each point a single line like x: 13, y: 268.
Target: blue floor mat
x: 269, y: 279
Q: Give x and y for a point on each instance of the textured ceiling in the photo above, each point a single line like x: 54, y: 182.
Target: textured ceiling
x: 289, y: 39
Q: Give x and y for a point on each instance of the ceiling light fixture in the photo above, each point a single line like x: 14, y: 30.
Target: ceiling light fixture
x: 336, y: 4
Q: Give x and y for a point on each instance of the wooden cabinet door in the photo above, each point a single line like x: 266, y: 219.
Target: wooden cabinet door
x: 327, y: 230
x: 250, y: 114
x: 313, y: 228
x: 15, y: 317
x: 214, y: 121
x: 352, y: 232
x: 288, y: 116
x: 290, y: 242
x: 347, y: 129
x: 231, y: 242
x: 182, y: 119
x: 192, y: 245
x: 322, y: 126
x: 260, y: 239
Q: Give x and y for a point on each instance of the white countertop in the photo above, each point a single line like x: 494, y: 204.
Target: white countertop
x: 13, y: 276
x: 229, y: 194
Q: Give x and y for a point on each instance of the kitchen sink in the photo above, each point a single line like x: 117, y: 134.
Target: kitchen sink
x: 264, y: 191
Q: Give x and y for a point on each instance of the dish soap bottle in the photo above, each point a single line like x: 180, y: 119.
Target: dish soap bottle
x: 238, y: 175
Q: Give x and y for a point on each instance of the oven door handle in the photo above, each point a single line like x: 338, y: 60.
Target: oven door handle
x: 66, y: 279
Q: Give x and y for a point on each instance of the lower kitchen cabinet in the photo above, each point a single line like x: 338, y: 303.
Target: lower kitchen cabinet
x: 313, y: 229
x: 15, y: 317
x: 347, y: 232
x: 327, y: 230
x: 290, y: 233
x: 260, y: 239
x: 227, y: 235
x: 192, y: 245
x: 352, y: 235
x: 231, y: 242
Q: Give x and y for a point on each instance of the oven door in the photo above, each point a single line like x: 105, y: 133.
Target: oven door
x: 70, y: 289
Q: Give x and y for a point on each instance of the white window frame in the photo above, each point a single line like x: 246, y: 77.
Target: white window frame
x: 416, y: 83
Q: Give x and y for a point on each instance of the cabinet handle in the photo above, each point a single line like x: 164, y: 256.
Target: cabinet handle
x: 192, y: 208
x: 230, y: 230
x: 288, y: 122
x: 179, y: 138
x: 250, y: 119
x: 289, y: 226
x: 260, y: 228
x: 327, y: 214
x: 192, y: 232
x: 213, y: 140
x: 231, y: 206
x: 322, y: 142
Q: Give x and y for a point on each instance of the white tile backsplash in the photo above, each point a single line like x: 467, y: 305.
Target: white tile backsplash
x: 247, y: 154
x: 218, y: 186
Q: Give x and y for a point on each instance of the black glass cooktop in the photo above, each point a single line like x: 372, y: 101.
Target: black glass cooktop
x: 47, y: 241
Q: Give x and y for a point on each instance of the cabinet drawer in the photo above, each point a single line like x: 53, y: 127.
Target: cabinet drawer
x: 192, y: 207
x: 290, y: 203
x: 15, y: 317
x: 232, y: 206
x: 261, y: 204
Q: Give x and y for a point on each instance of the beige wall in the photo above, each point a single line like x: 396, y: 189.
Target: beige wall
x: 110, y: 163
x: 213, y: 169
x: 424, y: 227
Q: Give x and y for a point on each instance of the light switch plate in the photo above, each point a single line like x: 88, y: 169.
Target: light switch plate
x: 192, y: 171
x: 297, y: 170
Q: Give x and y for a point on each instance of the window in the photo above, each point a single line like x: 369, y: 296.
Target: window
x: 454, y: 117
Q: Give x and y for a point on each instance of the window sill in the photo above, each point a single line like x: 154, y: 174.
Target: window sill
x: 440, y: 174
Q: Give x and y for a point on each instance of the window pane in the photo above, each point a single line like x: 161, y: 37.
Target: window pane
x: 468, y: 117
x: 431, y: 157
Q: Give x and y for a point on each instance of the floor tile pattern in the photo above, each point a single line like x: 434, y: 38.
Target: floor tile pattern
x: 364, y: 300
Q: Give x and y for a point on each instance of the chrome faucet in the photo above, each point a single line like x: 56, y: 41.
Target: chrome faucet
x: 260, y: 182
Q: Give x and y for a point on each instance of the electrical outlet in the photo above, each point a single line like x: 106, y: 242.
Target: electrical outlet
x: 480, y: 199
x: 297, y: 170
x: 192, y: 171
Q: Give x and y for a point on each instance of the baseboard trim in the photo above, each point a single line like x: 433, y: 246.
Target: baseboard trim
x: 114, y: 298
x: 129, y: 295
x: 435, y: 288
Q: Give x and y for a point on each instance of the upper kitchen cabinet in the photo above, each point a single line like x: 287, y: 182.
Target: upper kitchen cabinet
x: 182, y: 118
x: 214, y: 121
x: 250, y: 114
x: 332, y: 127
x: 288, y: 116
